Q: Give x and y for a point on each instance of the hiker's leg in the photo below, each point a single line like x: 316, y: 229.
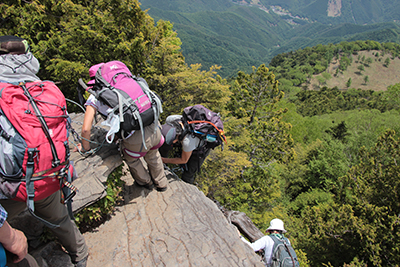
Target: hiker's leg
x: 190, y: 170
x: 68, y: 233
x: 153, y: 157
x: 156, y: 168
x: 13, y: 207
x: 133, y: 151
x: 193, y: 166
x: 138, y: 170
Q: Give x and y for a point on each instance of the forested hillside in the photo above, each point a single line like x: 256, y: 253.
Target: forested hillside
x: 339, y: 11
x: 237, y: 35
x: 324, y: 161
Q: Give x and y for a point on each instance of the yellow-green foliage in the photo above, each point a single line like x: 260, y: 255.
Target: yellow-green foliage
x: 340, y: 205
x: 220, y: 170
x: 96, y: 213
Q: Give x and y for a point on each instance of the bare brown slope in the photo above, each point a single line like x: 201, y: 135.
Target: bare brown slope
x: 379, y: 76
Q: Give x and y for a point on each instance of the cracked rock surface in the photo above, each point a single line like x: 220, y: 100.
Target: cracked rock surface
x: 178, y: 227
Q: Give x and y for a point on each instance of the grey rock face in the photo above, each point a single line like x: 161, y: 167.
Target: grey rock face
x: 178, y: 227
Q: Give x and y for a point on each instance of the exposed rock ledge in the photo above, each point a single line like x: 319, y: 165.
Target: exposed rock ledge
x: 179, y: 227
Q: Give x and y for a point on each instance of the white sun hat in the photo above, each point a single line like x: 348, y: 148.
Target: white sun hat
x: 276, y: 224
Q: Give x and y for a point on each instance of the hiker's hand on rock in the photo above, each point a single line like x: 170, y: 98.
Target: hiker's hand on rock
x: 78, y: 147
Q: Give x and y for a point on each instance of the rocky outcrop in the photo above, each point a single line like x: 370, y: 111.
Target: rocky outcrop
x: 92, y: 169
x: 178, y: 227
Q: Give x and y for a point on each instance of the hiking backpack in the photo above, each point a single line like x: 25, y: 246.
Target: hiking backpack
x: 128, y: 96
x: 283, y: 254
x: 204, y: 124
x: 34, y: 158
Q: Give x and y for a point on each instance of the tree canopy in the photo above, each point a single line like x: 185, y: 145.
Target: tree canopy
x: 325, y: 161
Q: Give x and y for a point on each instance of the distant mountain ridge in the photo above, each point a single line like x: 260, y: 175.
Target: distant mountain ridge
x: 337, y: 11
x: 240, y: 34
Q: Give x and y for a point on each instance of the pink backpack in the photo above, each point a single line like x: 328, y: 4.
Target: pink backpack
x: 128, y: 96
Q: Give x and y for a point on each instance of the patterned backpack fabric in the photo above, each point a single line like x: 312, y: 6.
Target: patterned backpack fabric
x: 128, y: 96
x: 283, y: 254
x: 205, y: 124
x: 34, y: 158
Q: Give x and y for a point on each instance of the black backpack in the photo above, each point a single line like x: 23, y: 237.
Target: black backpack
x: 283, y: 254
x: 204, y: 124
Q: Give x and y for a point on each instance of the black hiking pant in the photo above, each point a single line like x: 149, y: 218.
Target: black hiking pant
x: 193, y: 165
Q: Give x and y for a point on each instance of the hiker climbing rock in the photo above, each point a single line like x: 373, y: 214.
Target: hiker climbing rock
x: 139, y: 140
x: 276, y: 247
x: 197, y: 130
x: 42, y: 194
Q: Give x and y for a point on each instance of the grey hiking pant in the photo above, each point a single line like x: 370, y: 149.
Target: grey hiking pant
x: 51, y: 209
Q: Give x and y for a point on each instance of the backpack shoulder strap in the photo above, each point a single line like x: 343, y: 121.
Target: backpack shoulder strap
x: 156, y: 103
x: 100, y: 79
x: 276, y: 242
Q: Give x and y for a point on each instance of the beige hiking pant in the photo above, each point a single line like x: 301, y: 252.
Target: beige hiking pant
x: 145, y: 164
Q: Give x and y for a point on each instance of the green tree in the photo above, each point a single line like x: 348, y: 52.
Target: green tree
x: 252, y: 103
x: 387, y: 62
x: 348, y: 83
x: 321, y: 80
x: 326, y: 75
x: 69, y: 37
x: 344, y: 63
x: 392, y: 96
x: 372, y: 189
x: 256, y: 130
x: 368, y: 61
x: 366, y: 79
x: 360, y: 223
x: 339, y: 132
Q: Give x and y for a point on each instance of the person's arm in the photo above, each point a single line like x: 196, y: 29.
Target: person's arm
x: 257, y: 245
x: 87, y: 127
x: 189, y: 144
x: 12, y: 239
x: 182, y: 160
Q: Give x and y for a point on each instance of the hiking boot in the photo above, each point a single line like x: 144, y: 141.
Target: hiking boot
x: 162, y: 189
x: 147, y: 186
x: 82, y: 262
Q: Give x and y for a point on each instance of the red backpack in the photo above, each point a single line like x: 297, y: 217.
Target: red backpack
x: 34, y: 160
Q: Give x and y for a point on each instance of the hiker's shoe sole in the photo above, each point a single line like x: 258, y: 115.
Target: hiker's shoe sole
x: 162, y: 189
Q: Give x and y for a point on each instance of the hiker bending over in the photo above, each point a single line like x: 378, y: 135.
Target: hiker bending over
x: 14, y: 241
x: 18, y: 64
x: 135, y: 154
x: 191, y: 158
x: 269, y: 244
